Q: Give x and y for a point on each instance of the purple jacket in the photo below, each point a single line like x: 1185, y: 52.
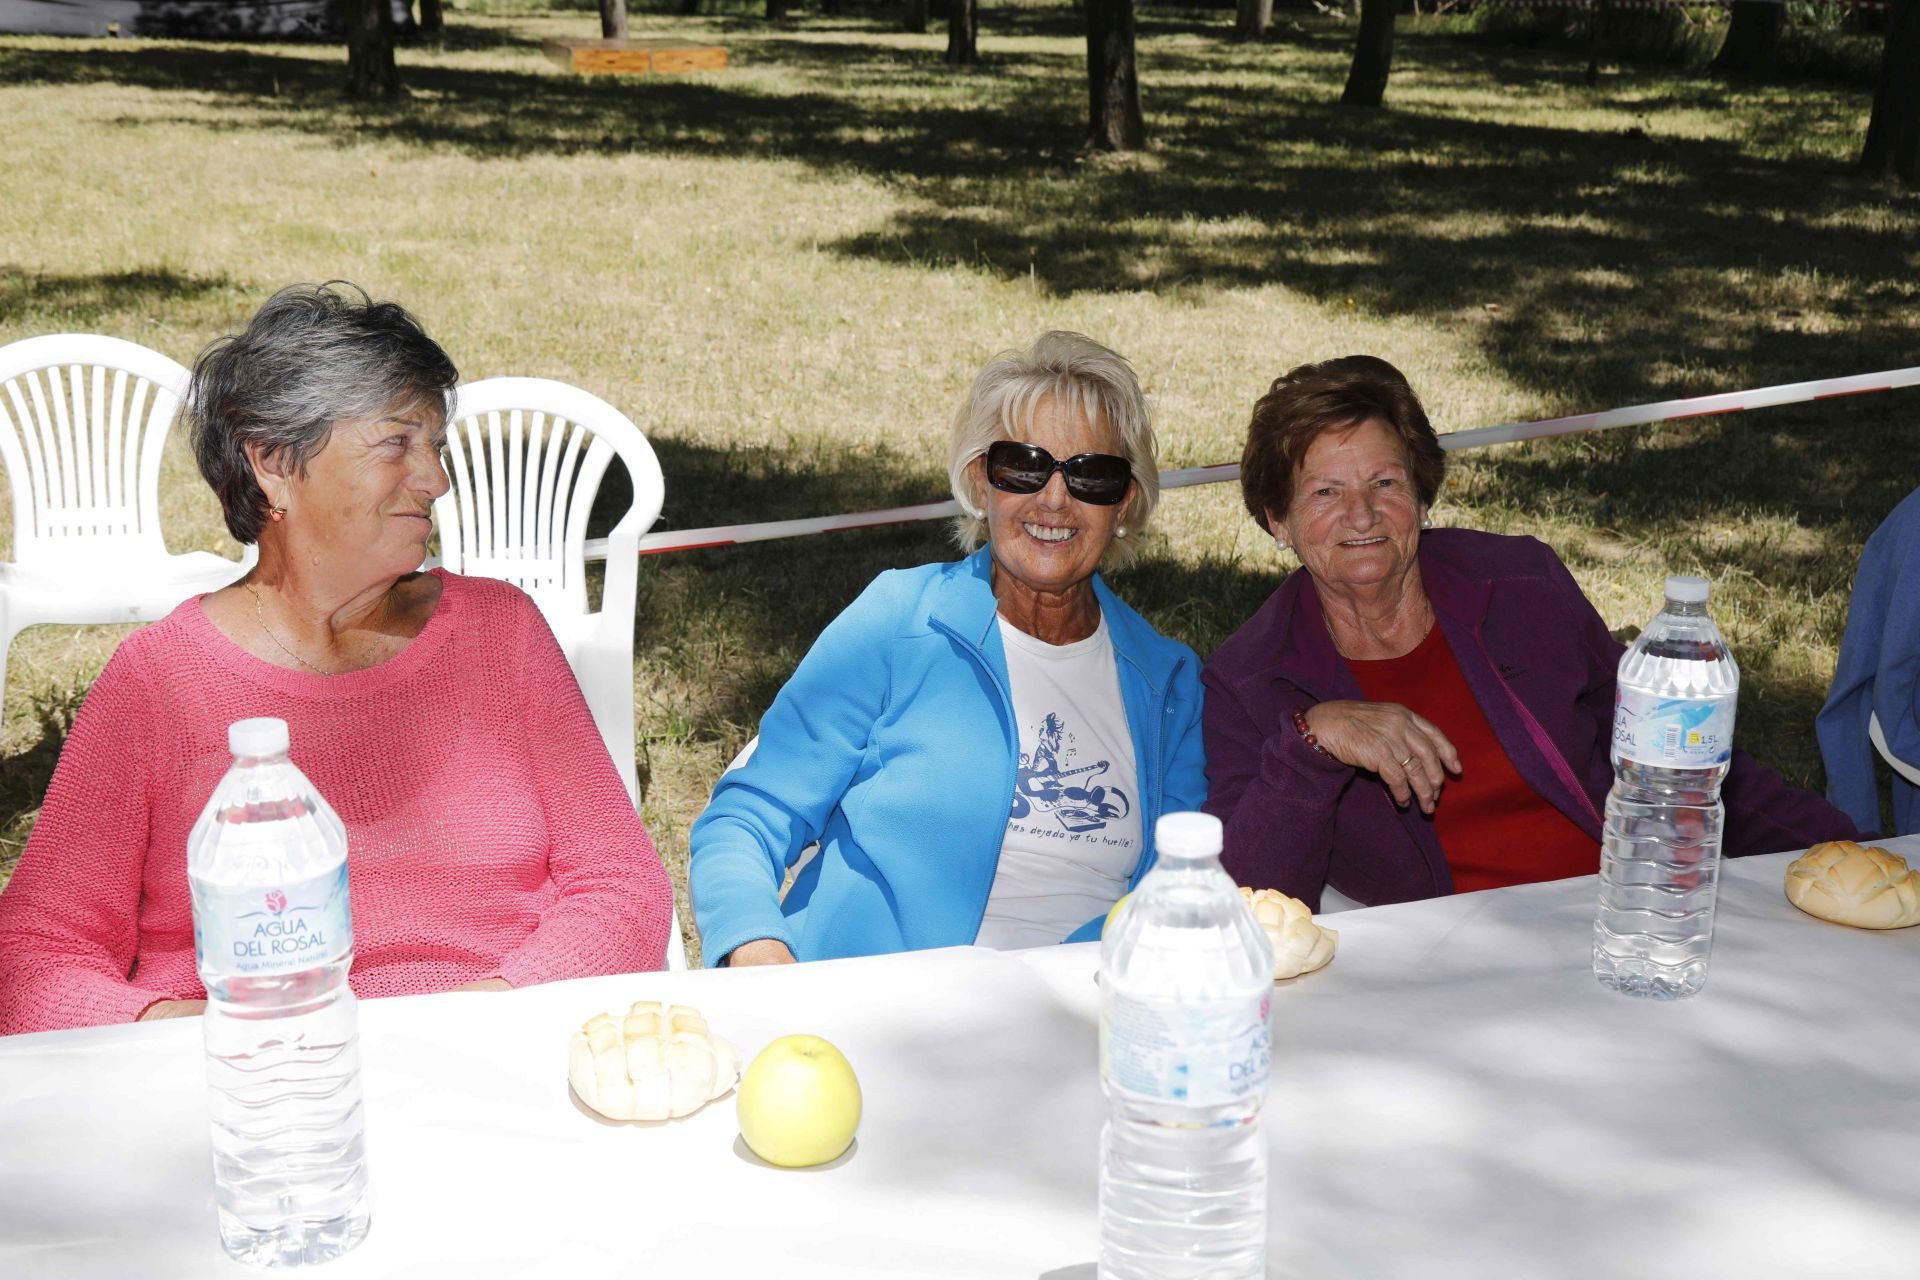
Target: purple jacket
x: 1541, y: 665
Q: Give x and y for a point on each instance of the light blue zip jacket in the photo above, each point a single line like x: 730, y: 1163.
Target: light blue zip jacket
x: 894, y: 747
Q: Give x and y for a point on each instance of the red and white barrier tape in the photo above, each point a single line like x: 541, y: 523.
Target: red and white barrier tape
x: 1475, y: 438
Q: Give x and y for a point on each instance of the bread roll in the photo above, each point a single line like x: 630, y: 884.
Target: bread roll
x: 658, y: 1063
x: 1867, y: 888
x: 1299, y: 945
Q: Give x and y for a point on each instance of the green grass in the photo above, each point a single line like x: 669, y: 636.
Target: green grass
x: 787, y: 273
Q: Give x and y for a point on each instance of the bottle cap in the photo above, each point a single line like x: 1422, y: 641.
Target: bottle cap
x: 1687, y: 590
x: 1189, y: 835
x: 262, y: 736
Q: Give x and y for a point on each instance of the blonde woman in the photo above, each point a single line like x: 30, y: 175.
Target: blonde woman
x: 979, y: 747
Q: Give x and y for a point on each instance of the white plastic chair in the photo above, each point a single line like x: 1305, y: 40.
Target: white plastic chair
x: 83, y: 427
x: 525, y: 457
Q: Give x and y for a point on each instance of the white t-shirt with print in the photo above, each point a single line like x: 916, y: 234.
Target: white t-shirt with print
x: 1073, y: 832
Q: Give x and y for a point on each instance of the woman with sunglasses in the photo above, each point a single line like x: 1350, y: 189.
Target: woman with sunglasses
x: 979, y: 748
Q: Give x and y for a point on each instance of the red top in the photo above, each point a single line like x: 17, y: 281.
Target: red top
x: 488, y: 834
x: 1494, y: 829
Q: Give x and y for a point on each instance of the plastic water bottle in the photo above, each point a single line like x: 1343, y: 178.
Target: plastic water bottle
x: 1660, y: 860
x: 1186, y: 984
x: 268, y: 865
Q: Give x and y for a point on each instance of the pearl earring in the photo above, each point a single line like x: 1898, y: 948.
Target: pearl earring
x: 277, y: 514
x: 1281, y: 543
x: 1120, y: 531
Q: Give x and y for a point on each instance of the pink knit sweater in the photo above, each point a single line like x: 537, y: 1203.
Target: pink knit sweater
x: 488, y: 834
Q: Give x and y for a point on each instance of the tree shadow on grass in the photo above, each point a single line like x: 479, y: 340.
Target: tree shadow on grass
x: 1590, y: 266
x: 1833, y: 470
x: 82, y: 301
x: 1593, y: 266
x: 462, y: 37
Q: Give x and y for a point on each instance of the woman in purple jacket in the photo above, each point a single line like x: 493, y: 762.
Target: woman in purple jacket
x: 1423, y: 711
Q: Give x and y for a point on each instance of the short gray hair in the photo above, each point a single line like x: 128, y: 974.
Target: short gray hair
x: 312, y: 356
x: 1083, y: 376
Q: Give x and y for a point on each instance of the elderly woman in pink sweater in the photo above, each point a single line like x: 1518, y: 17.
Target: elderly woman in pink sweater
x: 490, y: 841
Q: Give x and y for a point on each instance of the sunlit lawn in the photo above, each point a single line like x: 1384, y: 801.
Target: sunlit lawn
x: 787, y: 272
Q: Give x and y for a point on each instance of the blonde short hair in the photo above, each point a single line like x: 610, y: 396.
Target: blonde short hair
x: 1085, y: 377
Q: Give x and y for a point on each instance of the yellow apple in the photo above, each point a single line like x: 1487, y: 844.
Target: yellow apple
x: 1112, y: 912
x: 798, y: 1102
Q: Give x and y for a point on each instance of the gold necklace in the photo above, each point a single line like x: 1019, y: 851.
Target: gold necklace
x: 260, y: 616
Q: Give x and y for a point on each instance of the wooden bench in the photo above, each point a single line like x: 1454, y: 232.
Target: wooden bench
x: 634, y: 57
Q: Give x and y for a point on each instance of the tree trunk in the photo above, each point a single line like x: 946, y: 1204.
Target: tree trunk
x: 371, y: 72
x: 914, y: 17
x: 1372, y: 55
x: 1113, y: 78
x: 776, y: 10
x: 613, y: 19
x: 433, y: 21
x: 1597, y: 17
x: 1893, y: 135
x: 963, y: 17
x: 1254, y: 18
x: 1752, y: 36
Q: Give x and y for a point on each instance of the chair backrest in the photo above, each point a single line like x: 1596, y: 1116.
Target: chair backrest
x: 83, y: 428
x: 525, y: 457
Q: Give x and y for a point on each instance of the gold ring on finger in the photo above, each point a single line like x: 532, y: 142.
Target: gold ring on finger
x: 1407, y: 761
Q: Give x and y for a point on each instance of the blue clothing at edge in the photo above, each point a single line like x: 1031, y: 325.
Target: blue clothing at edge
x: 894, y: 747
x: 1878, y: 672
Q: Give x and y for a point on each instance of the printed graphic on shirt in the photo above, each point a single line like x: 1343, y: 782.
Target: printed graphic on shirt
x: 1052, y: 782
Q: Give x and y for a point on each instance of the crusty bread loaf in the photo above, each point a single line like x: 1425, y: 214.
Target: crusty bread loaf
x: 1299, y: 945
x: 1866, y: 887
x: 657, y: 1063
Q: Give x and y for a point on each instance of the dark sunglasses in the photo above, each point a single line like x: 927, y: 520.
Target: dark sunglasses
x: 1099, y: 478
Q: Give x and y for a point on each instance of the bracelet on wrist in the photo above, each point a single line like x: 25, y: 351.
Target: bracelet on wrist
x: 1300, y: 724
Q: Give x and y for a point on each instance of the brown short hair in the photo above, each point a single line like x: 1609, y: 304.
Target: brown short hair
x: 1304, y: 404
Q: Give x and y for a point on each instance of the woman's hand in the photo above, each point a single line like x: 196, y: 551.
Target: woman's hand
x: 173, y: 1009
x: 1409, y: 753
x: 762, y: 951
x: 487, y: 984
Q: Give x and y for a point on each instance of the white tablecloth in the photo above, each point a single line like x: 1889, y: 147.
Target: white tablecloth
x: 1454, y: 1096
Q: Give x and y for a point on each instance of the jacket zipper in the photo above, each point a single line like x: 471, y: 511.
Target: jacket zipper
x: 1547, y: 747
x: 979, y: 657
x: 1150, y: 813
